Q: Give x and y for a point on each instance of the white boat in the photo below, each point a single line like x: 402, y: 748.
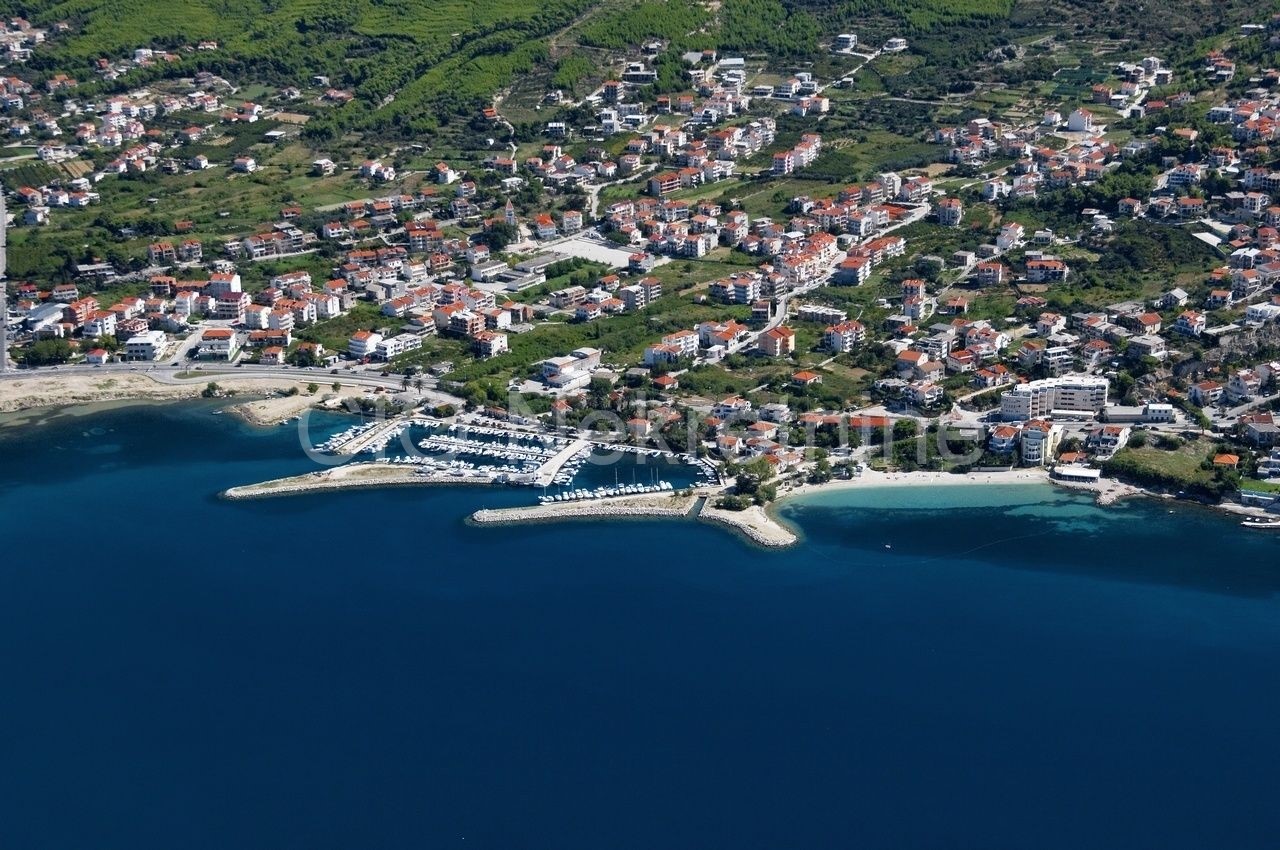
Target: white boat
x: 1262, y: 523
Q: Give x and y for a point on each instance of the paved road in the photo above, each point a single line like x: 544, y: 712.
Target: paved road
x: 1232, y: 413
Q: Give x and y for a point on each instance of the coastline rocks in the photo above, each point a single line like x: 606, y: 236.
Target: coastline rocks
x: 645, y: 507
x: 49, y: 389
x: 1107, y: 491
x: 754, y: 523
x: 272, y: 410
x: 347, y: 477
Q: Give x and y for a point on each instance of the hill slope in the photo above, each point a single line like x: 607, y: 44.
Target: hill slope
x: 408, y: 56
x: 415, y: 63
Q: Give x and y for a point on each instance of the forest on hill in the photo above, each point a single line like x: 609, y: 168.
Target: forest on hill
x: 417, y: 64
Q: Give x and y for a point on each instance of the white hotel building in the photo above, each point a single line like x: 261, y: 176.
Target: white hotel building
x: 1065, y: 396
x: 145, y: 346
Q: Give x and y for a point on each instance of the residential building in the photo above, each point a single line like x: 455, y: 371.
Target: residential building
x: 488, y: 344
x: 844, y: 336
x: 924, y: 394
x: 1003, y: 439
x: 730, y: 408
x: 778, y: 342
x: 218, y: 344
x: 100, y: 323
x: 1244, y: 385
x: 1106, y: 440
x: 1039, y: 439
x: 363, y: 344
x: 950, y: 212
x: 1147, y: 346
x: 1068, y: 394
x: 1011, y: 235
x: 991, y: 273
x: 1047, y: 271
x: 392, y: 347
x: 1080, y: 121
x: 571, y: 372
x: 146, y: 346
x: 1190, y: 323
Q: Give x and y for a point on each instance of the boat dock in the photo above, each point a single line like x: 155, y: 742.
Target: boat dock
x: 376, y: 436
x: 509, y: 456
x: 547, y: 472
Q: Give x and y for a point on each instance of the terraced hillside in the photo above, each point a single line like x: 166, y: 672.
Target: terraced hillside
x: 417, y: 63
x: 408, y: 57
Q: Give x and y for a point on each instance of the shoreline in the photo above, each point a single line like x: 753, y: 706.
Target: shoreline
x: 754, y: 524
x: 761, y: 526
x: 757, y: 524
x: 1107, y: 491
x: 871, y: 480
x: 267, y: 411
x: 70, y: 390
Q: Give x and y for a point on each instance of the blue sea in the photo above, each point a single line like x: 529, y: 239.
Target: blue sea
x: 961, y: 667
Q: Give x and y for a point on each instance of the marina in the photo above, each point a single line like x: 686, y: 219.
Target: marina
x: 577, y: 467
x: 607, y: 492
x: 424, y: 450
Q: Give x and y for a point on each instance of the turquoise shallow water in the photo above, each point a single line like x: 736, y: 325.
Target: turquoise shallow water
x: 1019, y: 669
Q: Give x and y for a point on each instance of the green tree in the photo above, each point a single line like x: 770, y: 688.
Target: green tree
x: 47, y: 352
x: 500, y: 235
x: 752, y: 481
x: 821, y: 472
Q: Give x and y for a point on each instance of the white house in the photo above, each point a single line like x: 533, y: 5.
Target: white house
x: 1080, y: 121
x: 147, y: 346
x: 363, y: 344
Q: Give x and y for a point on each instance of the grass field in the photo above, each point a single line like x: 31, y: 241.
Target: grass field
x: 1181, y: 466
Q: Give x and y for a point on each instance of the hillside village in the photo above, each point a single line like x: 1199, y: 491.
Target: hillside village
x: 626, y: 258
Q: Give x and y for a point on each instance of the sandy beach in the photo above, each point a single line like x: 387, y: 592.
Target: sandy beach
x: 871, y: 479
x: 1107, y: 491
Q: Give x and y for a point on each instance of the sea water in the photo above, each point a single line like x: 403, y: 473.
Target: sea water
x: 960, y: 666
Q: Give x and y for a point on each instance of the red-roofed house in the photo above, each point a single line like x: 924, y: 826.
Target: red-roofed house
x: 778, y: 342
